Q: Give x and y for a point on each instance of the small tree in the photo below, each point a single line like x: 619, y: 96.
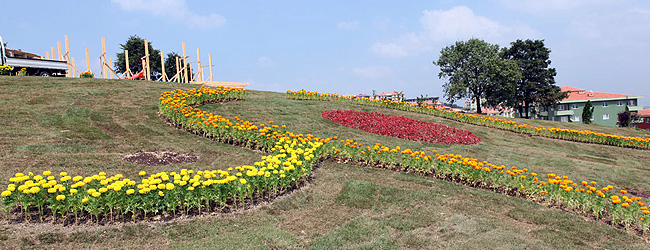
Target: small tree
x: 624, y: 118
x: 587, y: 113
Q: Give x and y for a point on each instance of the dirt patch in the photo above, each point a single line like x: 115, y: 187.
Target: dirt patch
x: 156, y: 158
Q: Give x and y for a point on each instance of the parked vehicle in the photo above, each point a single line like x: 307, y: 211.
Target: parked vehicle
x: 34, y: 64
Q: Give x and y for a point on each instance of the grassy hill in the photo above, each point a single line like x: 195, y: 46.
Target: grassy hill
x: 83, y: 126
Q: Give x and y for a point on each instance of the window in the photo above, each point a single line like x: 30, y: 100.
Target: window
x: 574, y: 106
x: 575, y: 118
x: 564, y: 118
x: 562, y: 107
x: 606, y: 117
x: 619, y: 103
x: 631, y: 102
x: 605, y: 104
x: 647, y: 120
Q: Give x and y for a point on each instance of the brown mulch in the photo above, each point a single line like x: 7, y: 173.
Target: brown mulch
x: 159, y: 158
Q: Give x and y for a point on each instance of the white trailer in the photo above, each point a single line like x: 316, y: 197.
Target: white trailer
x: 34, y: 64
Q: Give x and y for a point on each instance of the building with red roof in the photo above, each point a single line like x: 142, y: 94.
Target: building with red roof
x: 606, y: 106
x: 394, y: 96
x: 645, y: 119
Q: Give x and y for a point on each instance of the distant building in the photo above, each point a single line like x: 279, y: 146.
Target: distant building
x: 645, y: 119
x: 363, y: 96
x: 394, y: 96
x: 606, y: 106
x: 426, y: 100
x: 499, y: 111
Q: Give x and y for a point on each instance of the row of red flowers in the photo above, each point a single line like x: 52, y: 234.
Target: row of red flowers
x: 401, y: 127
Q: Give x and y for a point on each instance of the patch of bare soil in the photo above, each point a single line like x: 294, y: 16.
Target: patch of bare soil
x: 156, y: 158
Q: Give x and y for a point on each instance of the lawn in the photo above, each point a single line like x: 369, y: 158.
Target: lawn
x: 83, y: 126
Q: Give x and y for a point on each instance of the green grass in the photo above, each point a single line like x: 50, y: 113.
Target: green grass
x: 83, y: 126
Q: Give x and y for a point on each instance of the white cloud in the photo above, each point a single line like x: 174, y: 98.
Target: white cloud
x: 354, y: 25
x: 390, y: 50
x: 539, y: 7
x: 370, y: 72
x: 441, y: 27
x: 265, y: 62
x: 176, y: 10
x: 625, y: 28
x: 457, y: 23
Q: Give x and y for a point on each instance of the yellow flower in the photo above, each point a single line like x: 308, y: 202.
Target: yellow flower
x: 130, y: 191
x: 6, y: 193
x: 60, y: 197
x: 96, y: 194
x: 46, y: 173
x: 142, y: 173
x: 84, y: 200
x: 242, y: 180
x: 161, y: 193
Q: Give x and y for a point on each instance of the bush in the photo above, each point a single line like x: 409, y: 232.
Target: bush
x: 87, y: 74
x: 5, y: 70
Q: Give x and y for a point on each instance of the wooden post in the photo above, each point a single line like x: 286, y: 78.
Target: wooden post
x: 67, y: 55
x: 53, y: 55
x: 47, y: 55
x: 74, y: 73
x: 163, y: 77
x: 178, y: 71
x: 198, y: 58
x: 87, y: 61
x: 59, y: 46
x: 104, y: 73
x: 210, y: 61
x: 110, y: 62
x: 126, y: 58
x: 185, y: 64
x: 147, y: 71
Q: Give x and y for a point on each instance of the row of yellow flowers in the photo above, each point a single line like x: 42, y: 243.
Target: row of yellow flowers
x: 504, y: 124
x: 101, y: 196
x: 291, y: 159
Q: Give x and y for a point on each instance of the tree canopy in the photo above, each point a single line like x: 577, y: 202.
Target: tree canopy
x: 475, y: 70
x: 135, y: 46
x: 536, y: 86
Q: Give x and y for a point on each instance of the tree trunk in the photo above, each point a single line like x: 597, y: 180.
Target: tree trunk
x: 527, y: 110
x: 478, y: 105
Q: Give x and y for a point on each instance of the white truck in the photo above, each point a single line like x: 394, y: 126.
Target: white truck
x: 34, y: 64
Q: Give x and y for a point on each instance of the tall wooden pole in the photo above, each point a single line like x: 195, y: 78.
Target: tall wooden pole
x: 147, y: 71
x: 87, y: 61
x: 103, y: 61
x: 110, y: 72
x: 74, y: 73
x: 185, y: 64
x: 126, y: 58
x: 47, y: 55
x: 53, y: 55
x: 67, y: 55
x: 59, y: 46
x: 163, y: 77
x: 178, y: 70
x: 198, y: 58
x: 210, y: 61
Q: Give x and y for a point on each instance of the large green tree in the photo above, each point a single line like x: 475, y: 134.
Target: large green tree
x: 536, y: 86
x: 135, y: 46
x: 475, y: 70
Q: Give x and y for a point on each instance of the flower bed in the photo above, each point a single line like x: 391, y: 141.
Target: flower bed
x: 290, y: 161
x: 102, y: 197
x: 585, y: 136
x: 401, y: 127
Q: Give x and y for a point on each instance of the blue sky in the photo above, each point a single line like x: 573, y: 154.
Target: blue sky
x: 351, y: 47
